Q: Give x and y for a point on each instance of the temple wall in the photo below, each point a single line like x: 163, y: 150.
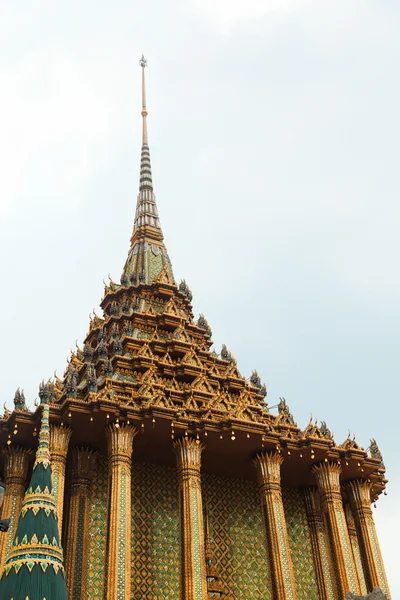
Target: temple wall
x: 237, y: 528
x: 155, y: 533
x: 300, y: 544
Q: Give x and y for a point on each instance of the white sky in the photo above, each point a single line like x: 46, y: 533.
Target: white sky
x: 273, y: 130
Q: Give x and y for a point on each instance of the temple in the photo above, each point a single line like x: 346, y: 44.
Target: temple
x: 161, y: 473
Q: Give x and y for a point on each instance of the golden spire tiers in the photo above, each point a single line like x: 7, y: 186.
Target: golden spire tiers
x: 147, y: 255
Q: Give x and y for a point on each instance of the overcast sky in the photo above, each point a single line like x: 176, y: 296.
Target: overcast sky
x: 274, y: 137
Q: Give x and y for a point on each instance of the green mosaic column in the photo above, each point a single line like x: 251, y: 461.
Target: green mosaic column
x: 193, y: 564
x: 77, y: 531
x: 268, y: 467
x: 16, y: 463
x: 359, y: 492
x: 320, y: 553
x: 118, y: 565
x: 328, y: 475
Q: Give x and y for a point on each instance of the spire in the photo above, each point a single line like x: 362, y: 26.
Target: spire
x: 34, y: 568
x: 147, y: 255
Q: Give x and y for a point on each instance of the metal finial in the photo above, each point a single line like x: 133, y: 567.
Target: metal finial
x: 143, y: 63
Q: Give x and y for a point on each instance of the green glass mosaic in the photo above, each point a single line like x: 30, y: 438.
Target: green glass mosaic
x: 300, y: 544
x: 198, y: 580
x: 155, y: 533
x: 237, y: 529
x: 97, y: 531
x: 77, y: 587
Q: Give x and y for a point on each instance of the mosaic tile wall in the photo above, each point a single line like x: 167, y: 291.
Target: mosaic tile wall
x: 300, y: 544
x: 155, y: 533
x: 237, y: 528
x: 97, y: 531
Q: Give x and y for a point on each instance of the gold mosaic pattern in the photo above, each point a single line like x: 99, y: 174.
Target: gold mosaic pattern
x: 358, y: 561
x: 197, y: 558
x: 378, y: 557
x: 237, y: 529
x: 346, y: 549
x: 97, y: 531
x: 13, y: 523
x: 78, y: 569
x: 300, y: 544
x: 155, y: 533
x: 280, y: 520
x: 325, y: 562
x: 55, y: 478
x: 122, y: 541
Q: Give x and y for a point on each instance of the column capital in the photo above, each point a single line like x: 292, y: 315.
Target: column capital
x: 188, y: 455
x: 313, y: 505
x: 120, y: 442
x: 359, y: 492
x: 268, y: 467
x: 328, y: 479
x: 83, y: 465
x: 60, y: 436
x: 16, y: 463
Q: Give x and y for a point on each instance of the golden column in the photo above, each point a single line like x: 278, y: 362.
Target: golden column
x: 193, y: 574
x: 355, y: 547
x: 359, y: 492
x: 59, y: 440
x: 76, y: 557
x: 321, y: 556
x: 268, y: 465
x: 120, y: 448
x: 327, y: 475
x: 16, y: 463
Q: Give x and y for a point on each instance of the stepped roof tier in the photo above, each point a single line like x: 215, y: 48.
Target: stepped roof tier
x: 34, y: 569
x: 149, y: 362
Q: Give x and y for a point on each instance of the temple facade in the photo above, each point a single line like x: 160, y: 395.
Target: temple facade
x: 171, y: 478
